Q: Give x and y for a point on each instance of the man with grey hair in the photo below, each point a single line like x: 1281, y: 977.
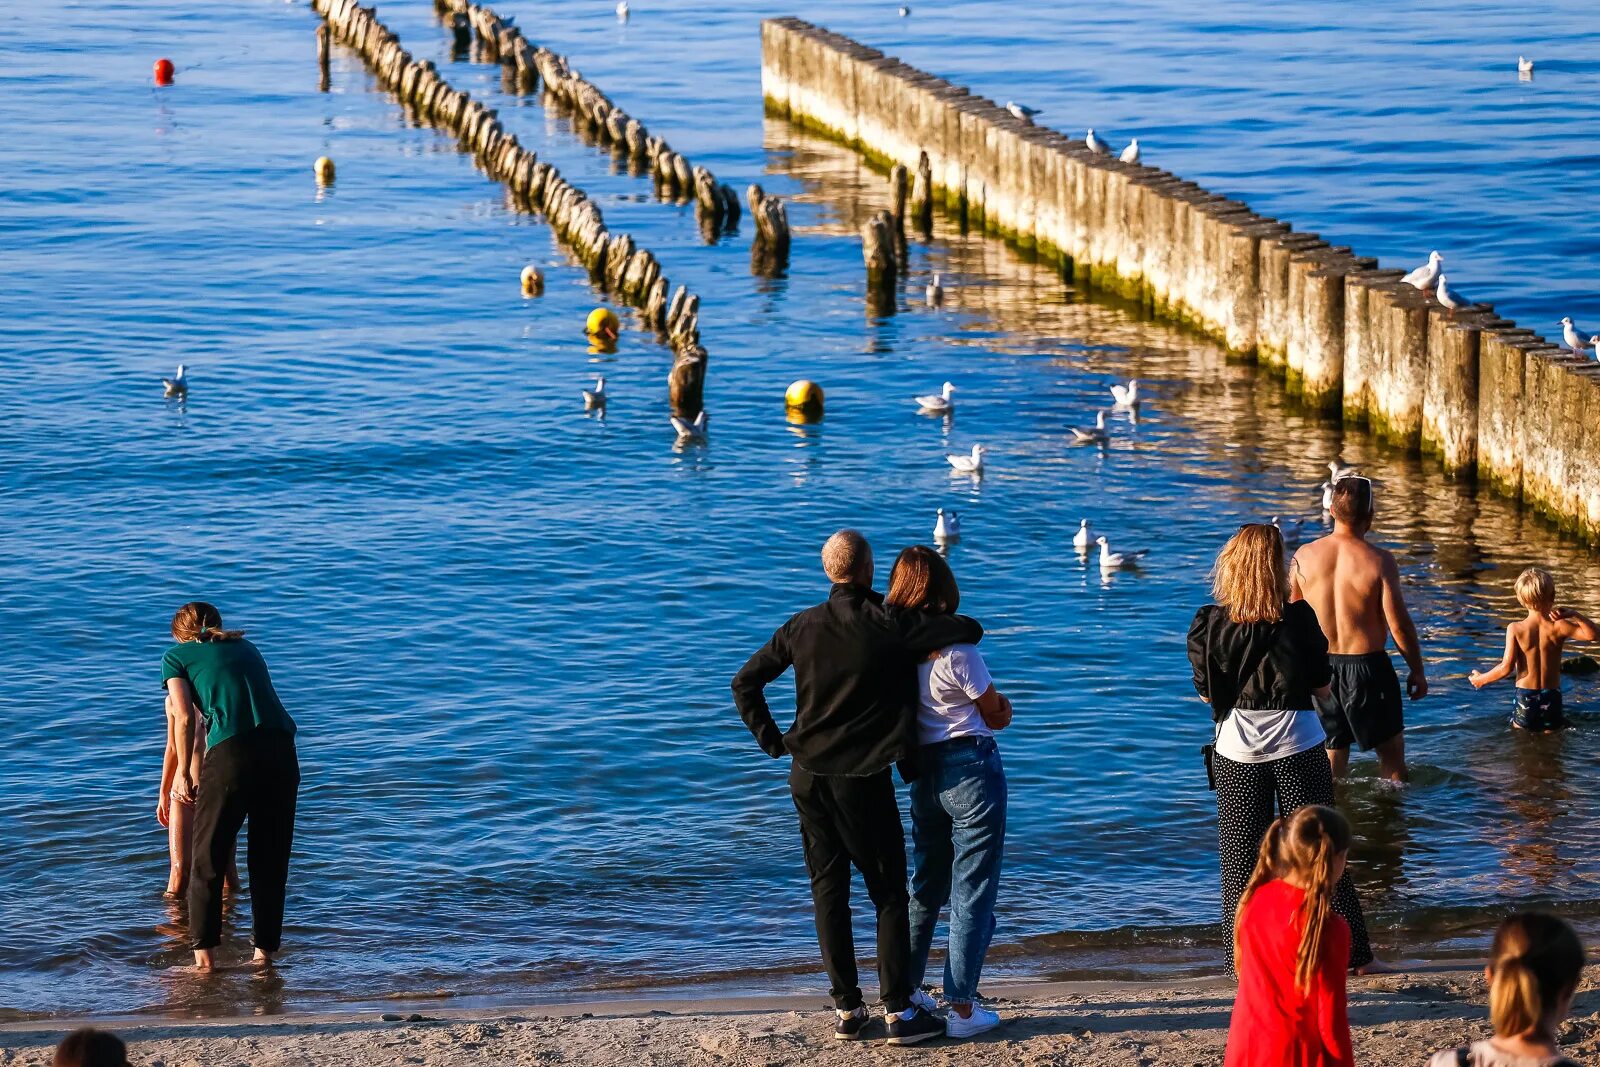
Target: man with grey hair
x: 855, y: 676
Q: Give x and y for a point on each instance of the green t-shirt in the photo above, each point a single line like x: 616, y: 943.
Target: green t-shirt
x: 231, y: 685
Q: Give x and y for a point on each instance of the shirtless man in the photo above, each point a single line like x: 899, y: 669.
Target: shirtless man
x: 1355, y: 590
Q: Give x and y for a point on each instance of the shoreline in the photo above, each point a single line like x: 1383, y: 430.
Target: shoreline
x: 1397, y: 1018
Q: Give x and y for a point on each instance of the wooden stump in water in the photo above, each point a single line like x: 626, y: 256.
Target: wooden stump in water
x: 324, y: 48
x: 883, y: 270
x: 897, y: 191
x: 769, y: 252
x: 687, y: 380
x: 922, y: 196
x: 461, y: 31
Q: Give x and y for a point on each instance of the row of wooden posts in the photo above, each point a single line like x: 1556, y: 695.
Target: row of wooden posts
x: 1485, y: 398
x: 631, y: 275
x: 673, y: 175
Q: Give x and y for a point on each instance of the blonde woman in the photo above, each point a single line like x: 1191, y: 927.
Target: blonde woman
x: 1262, y: 664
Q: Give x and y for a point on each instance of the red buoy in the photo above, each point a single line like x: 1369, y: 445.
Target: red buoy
x: 164, y: 71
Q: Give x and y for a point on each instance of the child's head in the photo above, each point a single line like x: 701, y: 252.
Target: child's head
x: 199, y: 621
x: 1533, y: 973
x: 91, y: 1048
x: 1307, y: 849
x: 1536, y: 590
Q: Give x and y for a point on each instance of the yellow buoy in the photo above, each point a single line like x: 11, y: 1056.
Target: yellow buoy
x: 602, y: 323
x: 532, y: 280
x: 324, y: 169
x: 804, y: 396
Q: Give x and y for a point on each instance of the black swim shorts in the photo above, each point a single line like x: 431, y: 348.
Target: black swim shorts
x: 1366, y: 691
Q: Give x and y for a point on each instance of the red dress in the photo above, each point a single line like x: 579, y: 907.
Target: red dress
x: 1274, y: 1023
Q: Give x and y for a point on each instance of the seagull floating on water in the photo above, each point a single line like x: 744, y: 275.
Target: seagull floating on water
x: 971, y: 464
x: 1524, y: 65
x: 691, y: 431
x: 1083, y: 538
x: 1022, y: 111
x: 938, y: 403
x: 1452, y: 302
x: 622, y: 11
x: 1126, y: 396
x: 1327, y: 496
x: 1096, y: 145
x: 1424, y: 276
x: 177, y: 385
x: 1110, y: 561
x: 1289, y: 528
x: 1096, y: 435
x: 946, y: 527
x: 935, y: 292
x: 1131, y: 153
x: 904, y: 11
x: 1339, y: 472
x: 1569, y: 336
x: 596, y: 397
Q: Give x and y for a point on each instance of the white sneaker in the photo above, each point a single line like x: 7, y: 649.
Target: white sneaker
x: 921, y: 998
x: 981, y: 1022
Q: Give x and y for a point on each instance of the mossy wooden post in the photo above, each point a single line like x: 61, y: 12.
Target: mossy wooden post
x: 922, y: 197
x: 883, y: 270
x: 1359, y: 357
x: 686, y: 381
x: 769, y: 251
x: 1502, y: 357
x: 1450, y: 390
x: 897, y: 193
x: 460, y: 36
x: 324, y: 48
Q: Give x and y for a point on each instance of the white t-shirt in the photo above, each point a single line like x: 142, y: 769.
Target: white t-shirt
x: 1254, y: 736
x: 950, y: 686
x: 1484, y: 1054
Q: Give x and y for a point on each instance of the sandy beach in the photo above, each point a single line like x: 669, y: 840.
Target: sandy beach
x: 1397, y: 1019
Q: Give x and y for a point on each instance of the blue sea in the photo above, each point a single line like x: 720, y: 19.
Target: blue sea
x: 506, y: 626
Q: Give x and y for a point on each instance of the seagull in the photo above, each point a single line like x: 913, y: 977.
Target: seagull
x: 177, y: 385
x: 972, y: 464
x: 1096, y: 145
x: 1594, y: 343
x: 1569, y: 336
x: 935, y: 292
x: 690, y: 431
x: 1098, y: 434
x: 1083, y: 538
x: 1424, y: 276
x: 1289, y: 528
x: 1327, y: 496
x: 1524, y: 65
x: 938, y: 403
x: 1452, y: 302
x: 904, y: 11
x: 595, y: 398
x: 1022, y: 111
x: 1131, y: 153
x: 622, y: 10
x: 1126, y: 396
x: 946, y: 527
x: 1110, y: 561
x: 1339, y: 472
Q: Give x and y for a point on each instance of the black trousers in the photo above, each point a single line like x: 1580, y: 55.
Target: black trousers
x: 254, y: 776
x: 1249, y: 797
x: 849, y: 821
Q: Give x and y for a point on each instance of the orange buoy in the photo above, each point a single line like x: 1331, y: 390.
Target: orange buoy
x: 164, y: 71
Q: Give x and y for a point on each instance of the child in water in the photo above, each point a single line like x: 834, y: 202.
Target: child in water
x: 1292, y: 951
x: 175, y: 812
x: 1533, y: 650
x: 1533, y: 973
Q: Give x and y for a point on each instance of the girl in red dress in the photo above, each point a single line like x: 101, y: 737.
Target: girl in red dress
x: 1291, y: 950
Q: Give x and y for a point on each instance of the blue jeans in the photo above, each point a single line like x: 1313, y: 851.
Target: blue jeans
x: 958, y: 832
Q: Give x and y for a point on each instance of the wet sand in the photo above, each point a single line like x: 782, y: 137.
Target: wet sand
x: 1397, y: 1019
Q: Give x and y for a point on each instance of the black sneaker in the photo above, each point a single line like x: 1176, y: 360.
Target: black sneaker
x: 851, y: 1024
x: 914, y: 1025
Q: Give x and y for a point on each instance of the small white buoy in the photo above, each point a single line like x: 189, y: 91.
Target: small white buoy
x: 532, y: 280
x: 324, y: 170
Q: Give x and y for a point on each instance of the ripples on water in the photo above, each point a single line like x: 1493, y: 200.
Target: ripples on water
x: 506, y: 627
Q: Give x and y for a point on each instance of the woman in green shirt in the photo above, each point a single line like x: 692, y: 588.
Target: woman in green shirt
x: 250, y: 773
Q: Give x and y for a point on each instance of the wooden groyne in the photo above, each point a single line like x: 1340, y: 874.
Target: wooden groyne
x: 631, y: 275
x: 1485, y: 398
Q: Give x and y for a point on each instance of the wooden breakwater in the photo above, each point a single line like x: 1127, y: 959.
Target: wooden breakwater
x: 600, y: 121
x: 1484, y: 397
x: 631, y: 275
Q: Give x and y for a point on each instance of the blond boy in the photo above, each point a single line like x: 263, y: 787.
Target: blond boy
x: 1533, y: 650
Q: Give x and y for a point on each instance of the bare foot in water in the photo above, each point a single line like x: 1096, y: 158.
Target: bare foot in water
x: 203, y: 961
x: 262, y: 959
x: 1377, y: 966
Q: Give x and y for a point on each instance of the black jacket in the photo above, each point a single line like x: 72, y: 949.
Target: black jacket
x: 1259, y: 665
x: 855, y: 679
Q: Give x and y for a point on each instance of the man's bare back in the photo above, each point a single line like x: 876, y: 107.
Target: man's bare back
x: 1343, y: 579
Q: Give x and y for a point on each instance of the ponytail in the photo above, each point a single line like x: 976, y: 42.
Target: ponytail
x: 1534, y: 966
x: 199, y: 621
x: 1301, y: 848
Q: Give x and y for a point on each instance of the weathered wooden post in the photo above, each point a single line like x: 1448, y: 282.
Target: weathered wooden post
x: 922, y: 196
x: 1450, y: 390
x: 686, y: 382
x: 883, y: 269
x: 461, y: 36
x: 324, y: 48
x: 769, y: 251
x: 897, y: 192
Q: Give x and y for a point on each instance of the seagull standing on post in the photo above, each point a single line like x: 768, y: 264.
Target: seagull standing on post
x: 1426, y: 275
x: 1096, y: 145
x: 1131, y: 153
x: 1569, y: 335
x: 1022, y: 111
